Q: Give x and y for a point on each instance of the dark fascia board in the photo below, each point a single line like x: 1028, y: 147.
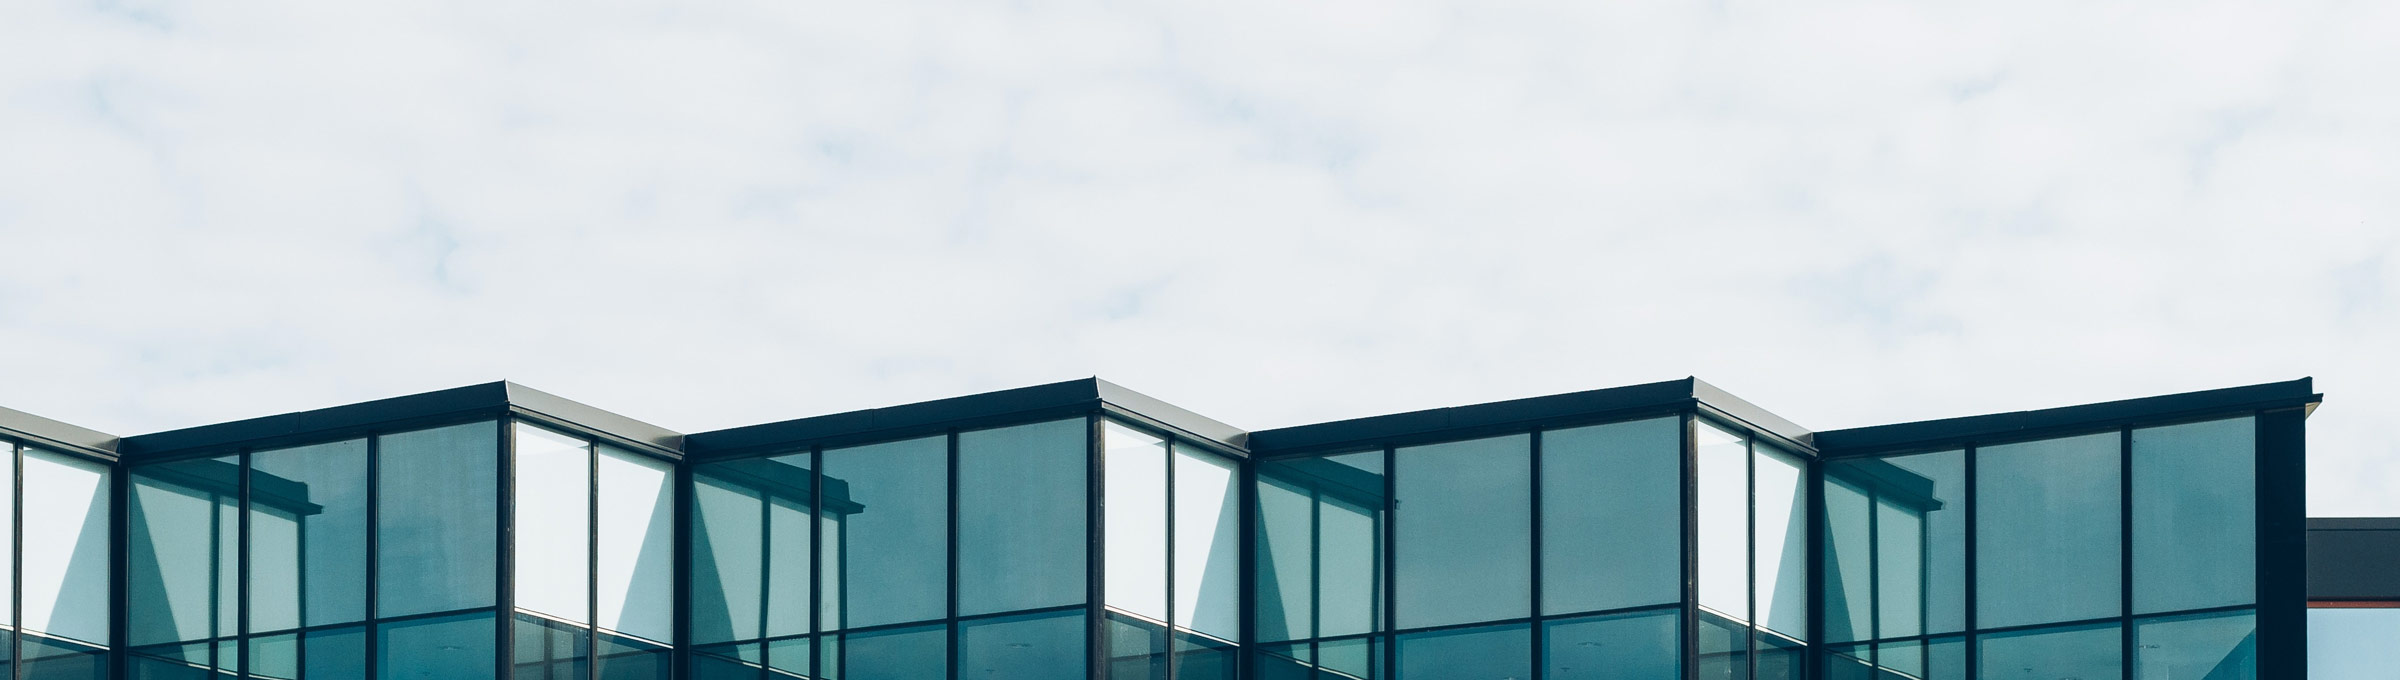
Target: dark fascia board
x: 1496, y: 416
x: 893, y: 422
x: 2024, y: 424
x: 2354, y: 559
x: 488, y: 399
x: 51, y: 434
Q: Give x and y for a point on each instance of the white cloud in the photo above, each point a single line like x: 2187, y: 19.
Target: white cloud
x: 1271, y: 212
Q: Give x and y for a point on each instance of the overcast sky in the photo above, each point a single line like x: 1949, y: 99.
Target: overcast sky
x: 1269, y: 211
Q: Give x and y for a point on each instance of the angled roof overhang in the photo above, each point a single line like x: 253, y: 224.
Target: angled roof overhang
x: 989, y: 409
x: 1515, y: 415
x: 51, y: 434
x: 488, y: 400
x: 2023, y: 425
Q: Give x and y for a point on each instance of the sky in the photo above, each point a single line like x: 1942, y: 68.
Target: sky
x: 705, y: 215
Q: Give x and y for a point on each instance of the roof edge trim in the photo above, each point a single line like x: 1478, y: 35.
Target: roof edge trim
x: 2298, y: 393
x: 49, y: 433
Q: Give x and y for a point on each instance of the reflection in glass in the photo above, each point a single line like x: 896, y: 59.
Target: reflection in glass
x: 1285, y: 540
x: 1137, y: 650
x: 1724, y: 649
x: 728, y: 549
x: 1612, y: 516
x: 2352, y: 643
x: 1029, y: 646
x: 308, y: 536
x: 64, y: 572
x: 894, y: 549
x: 1782, y: 552
x: 1920, y: 506
x: 182, y: 572
x: 49, y: 658
x: 637, y: 546
x: 1359, y: 657
x: 1021, y: 525
x: 455, y: 647
x: 2089, y: 652
x: 1724, y: 510
x: 1490, y: 652
x: 1849, y: 545
x: 554, y: 524
x: 335, y: 654
x: 623, y: 658
x: 1136, y: 520
x: 550, y: 650
x: 2211, y: 646
x: 2048, y: 536
x: 788, y: 525
x: 1319, y: 558
x: 1201, y: 658
x: 1462, y: 519
x: 1780, y: 658
x: 438, y: 492
x: 1633, y: 646
x: 8, y: 547
x: 915, y: 653
x: 1208, y: 538
x: 2195, y: 493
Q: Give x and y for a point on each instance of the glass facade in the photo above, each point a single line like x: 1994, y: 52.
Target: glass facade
x: 1584, y: 537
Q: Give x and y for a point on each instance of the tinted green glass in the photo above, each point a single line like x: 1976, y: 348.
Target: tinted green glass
x: 1921, y: 543
x: 182, y: 573
x: 45, y: 658
x: 1208, y: 534
x: 1350, y: 546
x: 1612, y: 516
x: 895, y: 546
x: 1283, y: 554
x: 1781, y: 571
x: 1489, y: 652
x: 335, y: 654
x: 439, y: 493
x: 728, y: 552
x: 2094, y: 652
x: 1200, y: 658
x: 623, y: 658
x: 2221, y: 646
x: 308, y: 535
x: 455, y: 647
x: 2195, y: 516
x: 1023, y: 647
x: 1021, y: 523
x: 1635, y: 646
x: 2048, y: 534
x: 1780, y: 658
x: 548, y: 650
x: 1462, y: 545
x: 1137, y: 650
x: 1724, y: 649
x: 1849, y: 556
x: 915, y: 653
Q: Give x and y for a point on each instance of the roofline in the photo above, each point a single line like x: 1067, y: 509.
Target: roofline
x: 1022, y: 404
x: 1456, y: 421
x: 493, y: 399
x: 2028, y: 424
x: 48, y: 433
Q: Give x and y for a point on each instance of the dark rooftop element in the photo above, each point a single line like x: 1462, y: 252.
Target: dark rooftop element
x: 1001, y: 407
x: 2026, y: 424
x: 1516, y: 413
x: 2354, y: 559
x: 47, y: 433
x: 492, y: 399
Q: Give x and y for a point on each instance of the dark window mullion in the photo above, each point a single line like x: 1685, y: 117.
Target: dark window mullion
x: 241, y: 557
x: 504, y: 644
x: 591, y: 534
x: 1533, y: 502
x: 2125, y: 549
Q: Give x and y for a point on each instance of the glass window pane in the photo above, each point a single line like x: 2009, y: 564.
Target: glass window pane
x: 790, y: 518
x: 623, y: 658
x: 47, y: 658
x: 1782, y: 554
x: 1724, y: 649
x: 275, y: 656
x: 554, y: 524
x: 1136, y: 520
x: 791, y: 655
x: 1137, y: 650
x: 308, y: 536
x: 64, y: 571
x: 1024, y: 647
x: 438, y: 492
x: 1463, y: 521
x: 1921, y: 552
x: 2352, y: 643
x: 896, y: 654
x: 2195, y: 518
x: 1612, y: 516
x: 1199, y: 658
x: 1353, y: 657
x: 2048, y: 536
x: 182, y: 575
x: 1780, y: 658
x: 1284, y: 556
x: 455, y: 647
x: 728, y: 553
x: 1021, y: 526
x: 1635, y: 646
x: 2086, y: 652
x: 1852, y: 662
x: 335, y: 654
x: 1493, y: 652
x: 2201, y: 647
x: 8, y: 548
x: 1849, y: 556
x: 549, y: 650
x: 894, y: 544
x: 1208, y: 537
x: 727, y: 662
x: 1724, y: 509
x: 1946, y: 658
x: 1350, y: 576
x: 637, y: 545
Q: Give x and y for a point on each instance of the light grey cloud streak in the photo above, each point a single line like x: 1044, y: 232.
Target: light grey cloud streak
x: 1273, y: 212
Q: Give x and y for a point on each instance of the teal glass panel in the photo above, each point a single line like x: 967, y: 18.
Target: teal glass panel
x: 791, y: 656
x: 914, y: 653
x: 1849, y: 556
x: 624, y: 658
x: 63, y: 575
x: 181, y: 567
x: 1780, y: 658
x: 49, y: 658
x: 550, y: 650
x: 1781, y: 494
x: 1201, y: 658
x: 1612, y: 516
x: 2048, y: 535
x: 1724, y: 510
x: 893, y: 548
x: 1724, y: 649
x: 439, y: 495
x: 2222, y: 646
x: 1137, y: 650
x: 2195, y: 516
x: 1921, y: 543
x: 1358, y: 657
x: 1208, y: 538
x: 1633, y: 646
x: 308, y: 536
x: 1021, y: 517
x: 1284, y: 549
x: 2088, y: 652
x: 335, y: 654
x: 1023, y: 647
x: 1462, y: 544
x: 454, y: 647
x: 275, y: 657
x: 636, y: 561
x: 728, y: 550
x: 1487, y: 652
